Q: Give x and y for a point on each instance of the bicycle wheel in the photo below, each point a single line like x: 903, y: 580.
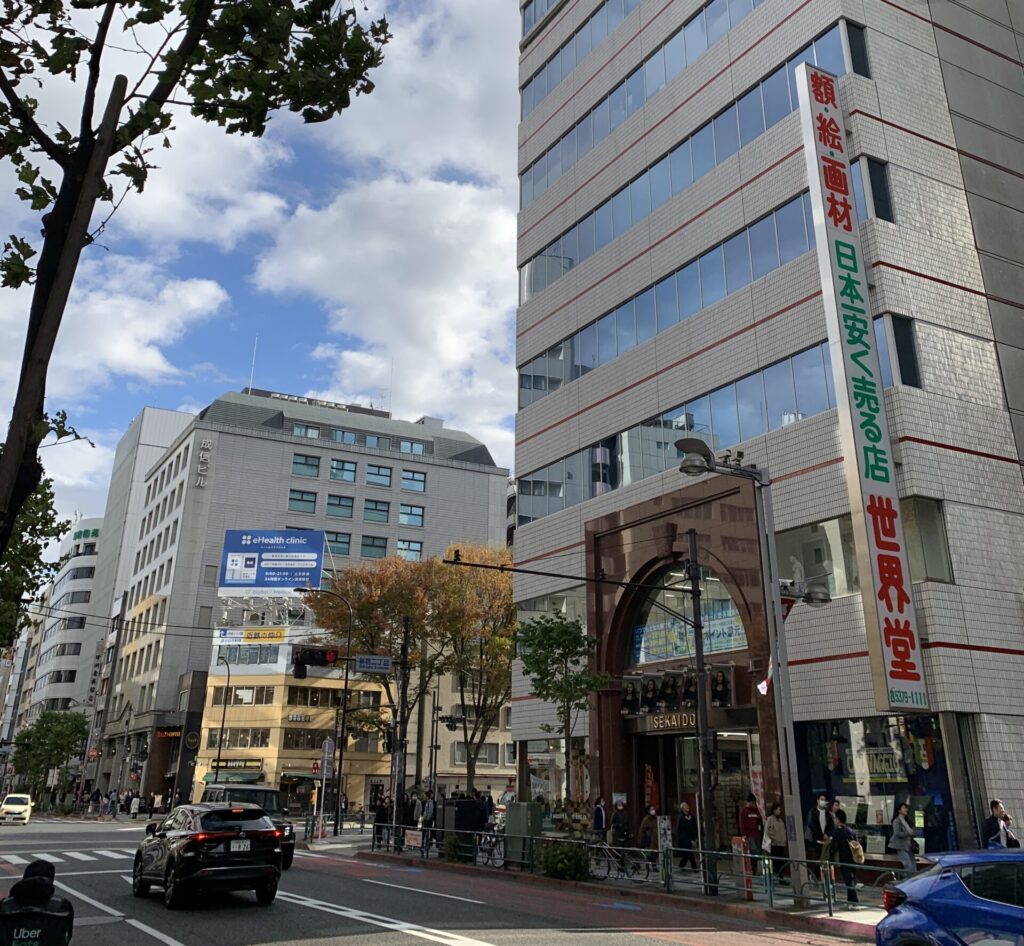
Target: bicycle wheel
x: 600, y: 865
x: 633, y: 867
x: 497, y: 857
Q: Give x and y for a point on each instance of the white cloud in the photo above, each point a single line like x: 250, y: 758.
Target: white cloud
x: 121, y: 314
x: 445, y: 97
x: 81, y: 472
x: 419, y: 272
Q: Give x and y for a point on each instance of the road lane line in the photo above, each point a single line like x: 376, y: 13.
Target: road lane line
x: 52, y: 858
x: 78, y: 856
x: 13, y: 859
x: 389, y: 923
x: 110, y: 911
x: 115, y: 855
x: 432, y: 893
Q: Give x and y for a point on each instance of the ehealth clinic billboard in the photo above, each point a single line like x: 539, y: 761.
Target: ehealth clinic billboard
x: 270, y: 561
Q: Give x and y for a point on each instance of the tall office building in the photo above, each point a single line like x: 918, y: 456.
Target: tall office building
x: 670, y: 288
x: 375, y: 485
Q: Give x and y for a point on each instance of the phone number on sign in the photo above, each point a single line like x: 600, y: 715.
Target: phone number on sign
x: 903, y: 698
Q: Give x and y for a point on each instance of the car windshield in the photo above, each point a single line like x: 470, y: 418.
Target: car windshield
x: 16, y: 800
x: 246, y: 819
x: 267, y: 800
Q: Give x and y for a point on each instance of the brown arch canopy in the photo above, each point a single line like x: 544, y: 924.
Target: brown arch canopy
x: 637, y: 545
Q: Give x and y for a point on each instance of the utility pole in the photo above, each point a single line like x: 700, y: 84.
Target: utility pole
x: 707, y: 814
x: 400, y: 743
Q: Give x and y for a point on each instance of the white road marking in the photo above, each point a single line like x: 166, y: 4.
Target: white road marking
x: 52, y: 858
x: 386, y: 922
x: 78, y: 856
x: 114, y: 855
x: 110, y: 911
x: 13, y: 859
x: 432, y: 893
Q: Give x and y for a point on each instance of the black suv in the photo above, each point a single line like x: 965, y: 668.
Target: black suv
x: 269, y: 799
x: 209, y: 847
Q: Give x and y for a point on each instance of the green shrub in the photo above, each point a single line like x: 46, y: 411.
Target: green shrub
x: 563, y: 860
x: 457, y: 848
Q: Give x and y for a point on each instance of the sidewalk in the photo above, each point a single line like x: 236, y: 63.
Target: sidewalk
x: 858, y: 924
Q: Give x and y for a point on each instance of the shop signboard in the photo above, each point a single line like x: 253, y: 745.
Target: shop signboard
x: 893, y: 637
x: 270, y: 561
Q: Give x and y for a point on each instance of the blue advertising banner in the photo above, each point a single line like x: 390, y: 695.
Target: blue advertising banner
x: 270, y: 561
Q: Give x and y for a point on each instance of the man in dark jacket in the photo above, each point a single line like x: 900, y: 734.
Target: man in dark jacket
x: 819, y: 829
x: 995, y: 829
x: 686, y: 836
x: 35, y: 893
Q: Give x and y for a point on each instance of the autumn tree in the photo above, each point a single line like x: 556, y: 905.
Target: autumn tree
x: 229, y: 63
x: 475, y: 620
x: 24, y: 571
x: 556, y: 654
x: 47, y: 744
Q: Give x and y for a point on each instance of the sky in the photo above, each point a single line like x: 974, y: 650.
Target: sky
x: 373, y: 256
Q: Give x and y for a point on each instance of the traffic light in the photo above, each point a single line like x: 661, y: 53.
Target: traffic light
x: 313, y: 657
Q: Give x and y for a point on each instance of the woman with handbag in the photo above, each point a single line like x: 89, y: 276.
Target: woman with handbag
x: 902, y: 840
x: 843, y: 840
x: 776, y: 843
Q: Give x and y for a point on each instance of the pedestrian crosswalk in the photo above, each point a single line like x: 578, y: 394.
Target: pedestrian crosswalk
x: 62, y: 857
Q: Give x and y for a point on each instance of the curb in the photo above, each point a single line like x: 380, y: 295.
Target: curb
x: 794, y: 921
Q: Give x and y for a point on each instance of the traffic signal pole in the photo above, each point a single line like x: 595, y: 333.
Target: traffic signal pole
x: 398, y: 759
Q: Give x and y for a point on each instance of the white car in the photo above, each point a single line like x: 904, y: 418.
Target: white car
x: 16, y: 809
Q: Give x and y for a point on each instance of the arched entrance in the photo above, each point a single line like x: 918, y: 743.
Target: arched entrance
x: 644, y: 726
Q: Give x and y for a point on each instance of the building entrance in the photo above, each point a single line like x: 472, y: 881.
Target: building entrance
x: 667, y: 773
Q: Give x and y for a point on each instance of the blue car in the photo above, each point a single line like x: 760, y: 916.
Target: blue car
x: 969, y: 898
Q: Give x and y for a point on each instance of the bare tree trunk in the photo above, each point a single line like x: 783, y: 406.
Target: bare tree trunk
x: 67, y: 228
x: 471, y: 758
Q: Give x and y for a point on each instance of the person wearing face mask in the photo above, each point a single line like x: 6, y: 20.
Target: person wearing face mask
x: 620, y: 825
x: 647, y: 833
x: 819, y: 829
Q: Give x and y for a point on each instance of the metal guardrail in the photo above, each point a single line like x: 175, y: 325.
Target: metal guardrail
x: 777, y: 881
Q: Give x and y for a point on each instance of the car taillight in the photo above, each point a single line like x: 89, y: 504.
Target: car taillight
x: 892, y: 897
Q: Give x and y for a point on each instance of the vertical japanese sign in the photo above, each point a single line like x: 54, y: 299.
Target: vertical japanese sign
x: 892, y: 630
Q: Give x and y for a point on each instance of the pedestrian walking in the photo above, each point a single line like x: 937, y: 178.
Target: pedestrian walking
x: 687, y: 834
x: 599, y: 820
x: 429, y: 815
x: 620, y: 825
x: 997, y: 828
x: 902, y: 839
x: 776, y: 842
x: 818, y: 830
x: 752, y: 829
x: 380, y: 821
x: 842, y: 837
x: 647, y: 833
x: 135, y: 805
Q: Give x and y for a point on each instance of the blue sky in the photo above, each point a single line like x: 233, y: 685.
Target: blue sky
x: 373, y: 256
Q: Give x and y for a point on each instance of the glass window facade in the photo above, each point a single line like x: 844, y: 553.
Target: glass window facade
x: 305, y: 465
x: 339, y: 543
x: 373, y: 546
x: 410, y: 549
x: 343, y: 471
x: 376, y: 510
x: 378, y: 475
x: 340, y: 507
x: 414, y: 481
x: 409, y: 515
x: 707, y: 147
x: 300, y: 500
x: 778, y: 237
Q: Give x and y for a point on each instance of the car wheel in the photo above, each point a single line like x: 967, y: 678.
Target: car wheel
x: 265, y: 894
x: 286, y: 858
x: 173, y: 898
x: 140, y: 887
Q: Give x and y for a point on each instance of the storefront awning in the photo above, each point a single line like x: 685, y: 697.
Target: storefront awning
x: 300, y: 773
x: 233, y: 777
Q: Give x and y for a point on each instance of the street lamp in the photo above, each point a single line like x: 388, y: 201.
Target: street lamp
x: 222, y: 659
x: 698, y: 459
x: 343, y: 738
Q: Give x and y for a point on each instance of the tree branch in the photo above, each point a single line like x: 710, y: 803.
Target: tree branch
x: 95, y: 55
x: 30, y: 125
x: 168, y: 80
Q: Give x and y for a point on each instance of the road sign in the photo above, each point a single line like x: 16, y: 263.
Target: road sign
x: 327, y: 760
x: 372, y: 663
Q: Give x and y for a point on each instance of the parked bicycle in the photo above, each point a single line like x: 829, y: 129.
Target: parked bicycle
x: 490, y: 848
x: 605, y: 861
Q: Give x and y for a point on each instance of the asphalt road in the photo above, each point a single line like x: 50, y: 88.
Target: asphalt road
x: 334, y: 898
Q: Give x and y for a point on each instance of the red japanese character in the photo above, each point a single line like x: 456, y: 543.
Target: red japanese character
x: 835, y: 176
x: 829, y: 132
x: 823, y: 89
x: 903, y: 644
x: 883, y: 519
x: 839, y: 213
x: 890, y: 577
